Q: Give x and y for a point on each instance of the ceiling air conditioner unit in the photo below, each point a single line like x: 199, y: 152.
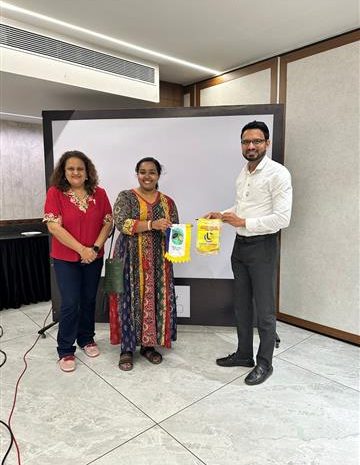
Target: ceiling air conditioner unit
x: 29, y: 52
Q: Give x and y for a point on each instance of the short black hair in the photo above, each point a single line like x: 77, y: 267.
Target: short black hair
x: 257, y: 125
x: 149, y: 159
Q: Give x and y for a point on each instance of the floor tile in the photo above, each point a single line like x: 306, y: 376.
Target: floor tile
x: 306, y: 413
x: 289, y: 336
x: 153, y: 447
x: 194, y: 329
x: 187, y: 373
x: 328, y: 357
x: 39, y: 312
x: 64, y: 418
x: 295, y: 418
x: 15, y: 324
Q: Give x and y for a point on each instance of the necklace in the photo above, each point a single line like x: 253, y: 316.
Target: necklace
x: 81, y: 202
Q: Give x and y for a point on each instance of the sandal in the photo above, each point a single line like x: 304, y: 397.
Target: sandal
x: 151, y: 354
x: 126, y: 361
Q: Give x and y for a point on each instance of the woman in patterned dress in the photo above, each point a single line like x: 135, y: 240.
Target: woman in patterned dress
x: 147, y: 307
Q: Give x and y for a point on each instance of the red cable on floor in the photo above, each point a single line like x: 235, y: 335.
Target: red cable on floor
x: 16, y: 392
x: 15, y: 396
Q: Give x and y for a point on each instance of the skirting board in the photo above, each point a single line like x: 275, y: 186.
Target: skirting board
x: 321, y: 329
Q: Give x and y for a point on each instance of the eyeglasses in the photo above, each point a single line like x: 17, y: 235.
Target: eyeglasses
x: 253, y: 141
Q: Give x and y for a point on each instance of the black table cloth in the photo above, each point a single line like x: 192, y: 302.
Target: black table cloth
x: 24, y: 269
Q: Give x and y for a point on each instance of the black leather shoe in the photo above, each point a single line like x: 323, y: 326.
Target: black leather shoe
x: 258, y: 375
x: 233, y: 360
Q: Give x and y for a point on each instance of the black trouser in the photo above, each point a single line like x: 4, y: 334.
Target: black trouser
x: 254, y: 263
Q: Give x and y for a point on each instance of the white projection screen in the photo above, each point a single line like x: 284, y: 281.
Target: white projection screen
x: 199, y: 149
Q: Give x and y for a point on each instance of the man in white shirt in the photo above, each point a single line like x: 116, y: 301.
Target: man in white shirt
x: 262, y: 207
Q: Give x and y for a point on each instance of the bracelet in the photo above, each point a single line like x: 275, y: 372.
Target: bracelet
x: 149, y: 225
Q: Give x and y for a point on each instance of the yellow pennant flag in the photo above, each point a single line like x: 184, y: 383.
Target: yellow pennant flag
x: 208, y: 236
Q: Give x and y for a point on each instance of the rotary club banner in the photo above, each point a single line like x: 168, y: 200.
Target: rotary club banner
x: 208, y: 236
x: 178, y: 243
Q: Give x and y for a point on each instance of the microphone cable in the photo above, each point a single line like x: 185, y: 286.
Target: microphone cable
x: 11, y: 441
x: 1, y: 351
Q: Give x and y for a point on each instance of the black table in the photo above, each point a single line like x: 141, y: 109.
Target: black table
x: 24, y: 266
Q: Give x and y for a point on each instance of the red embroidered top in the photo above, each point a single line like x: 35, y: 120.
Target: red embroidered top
x: 83, y: 219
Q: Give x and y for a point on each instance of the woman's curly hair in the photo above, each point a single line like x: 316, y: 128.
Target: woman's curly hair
x: 59, y: 180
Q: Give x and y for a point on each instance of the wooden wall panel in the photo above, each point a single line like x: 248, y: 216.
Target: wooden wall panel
x: 319, y: 270
x: 244, y: 75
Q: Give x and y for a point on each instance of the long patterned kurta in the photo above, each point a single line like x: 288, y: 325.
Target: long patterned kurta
x: 147, y: 307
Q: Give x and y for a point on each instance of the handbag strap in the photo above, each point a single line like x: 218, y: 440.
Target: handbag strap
x: 112, y: 239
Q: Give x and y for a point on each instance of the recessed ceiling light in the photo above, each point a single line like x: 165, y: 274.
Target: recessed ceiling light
x: 49, y: 19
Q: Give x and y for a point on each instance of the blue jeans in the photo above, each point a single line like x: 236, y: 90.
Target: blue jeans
x: 78, y: 284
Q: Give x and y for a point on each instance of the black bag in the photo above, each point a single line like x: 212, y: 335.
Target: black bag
x: 113, y: 280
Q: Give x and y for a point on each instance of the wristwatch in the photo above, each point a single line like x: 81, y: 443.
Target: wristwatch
x: 95, y: 248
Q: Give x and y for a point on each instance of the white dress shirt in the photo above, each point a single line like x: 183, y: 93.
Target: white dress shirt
x: 263, y: 198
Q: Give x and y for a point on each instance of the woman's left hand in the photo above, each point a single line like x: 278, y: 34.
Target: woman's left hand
x: 88, y: 255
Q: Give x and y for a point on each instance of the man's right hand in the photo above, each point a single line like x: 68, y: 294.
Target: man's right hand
x: 213, y: 216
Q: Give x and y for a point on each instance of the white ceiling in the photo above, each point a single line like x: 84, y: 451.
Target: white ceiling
x: 219, y: 35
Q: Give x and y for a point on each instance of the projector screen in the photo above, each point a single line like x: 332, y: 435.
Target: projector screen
x: 199, y: 149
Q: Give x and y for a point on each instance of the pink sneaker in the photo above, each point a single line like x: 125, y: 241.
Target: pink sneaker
x: 67, y: 363
x: 91, y: 350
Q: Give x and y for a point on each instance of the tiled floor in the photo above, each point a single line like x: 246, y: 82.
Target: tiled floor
x: 186, y: 411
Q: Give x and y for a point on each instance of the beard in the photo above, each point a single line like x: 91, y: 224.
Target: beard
x: 254, y: 155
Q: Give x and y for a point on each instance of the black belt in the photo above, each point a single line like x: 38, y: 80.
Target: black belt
x: 258, y: 238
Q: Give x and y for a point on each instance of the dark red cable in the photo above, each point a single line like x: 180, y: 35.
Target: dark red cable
x: 16, y: 391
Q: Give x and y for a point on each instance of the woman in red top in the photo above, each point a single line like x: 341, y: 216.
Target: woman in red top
x: 79, y: 218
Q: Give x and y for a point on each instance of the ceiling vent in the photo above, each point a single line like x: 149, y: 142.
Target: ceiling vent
x: 53, y: 48
x: 15, y: 40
